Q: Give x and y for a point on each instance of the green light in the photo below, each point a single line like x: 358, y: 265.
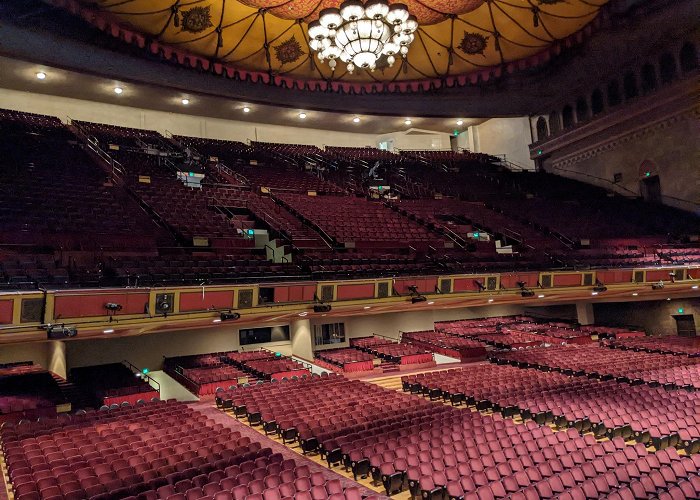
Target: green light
x: 145, y: 371
x: 251, y: 232
x: 647, y: 174
x: 191, y: 174
x: 278, y: 354
x: 456, y: 132
x: 539, y: 151
x: 476, y: 235
x: 680, y: 310
x: 381, y: 188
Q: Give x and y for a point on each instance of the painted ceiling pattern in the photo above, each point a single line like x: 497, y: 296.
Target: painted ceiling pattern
x: 455, y: 37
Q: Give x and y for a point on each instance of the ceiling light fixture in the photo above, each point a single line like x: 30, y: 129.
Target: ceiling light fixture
x: 118, y: 90
x: 360, y: 34
x: 407, y: 121
x: 540, y: 296
x: 431, y: 303
x: 246, y: 109
x: 694, y: 287
x: 41, y: 75
x: 356, y: 120
x: 460, y: 123
x: 594, y: 293
x: 368, y: 307
x: 109, y: 330
x: 302, y: 115
x: 302, y: 314
x: 185, y: 101
x: 490, y: 300
x: 635, y: 294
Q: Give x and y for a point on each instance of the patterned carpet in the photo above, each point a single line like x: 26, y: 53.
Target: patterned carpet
x: 208, y: 408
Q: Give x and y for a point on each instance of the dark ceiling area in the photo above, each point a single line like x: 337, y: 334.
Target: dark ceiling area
x: 34, y: 31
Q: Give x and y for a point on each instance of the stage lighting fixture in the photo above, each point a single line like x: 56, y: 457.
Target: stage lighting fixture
x: 418, y: 298
x: 599, y: 287
x: 527, y: 293
x: 112, y: 306
x: 322, y: 308
x: 658, y: 286
x: 55, y: 332
x: 229, y: 316
x: 479, y: 285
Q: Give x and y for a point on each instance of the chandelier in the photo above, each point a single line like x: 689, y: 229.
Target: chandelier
x: 359, y: 34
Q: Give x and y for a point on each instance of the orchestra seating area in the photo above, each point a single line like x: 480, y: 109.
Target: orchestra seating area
x: 447, y: 345
x: 348, y: 360
x: 142, y: 219
x: 650, y: 415
x: 161, y: 450
x: 267, y: 365
x: 407, y: 356
x: 114, y: 384
x: 27, y: 391
x: 672, y: 372
x: 681, y: 346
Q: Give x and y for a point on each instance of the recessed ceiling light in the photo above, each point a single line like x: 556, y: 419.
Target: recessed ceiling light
x: 302, y: 314
x: 540, y: 296
x: 118, y: 90
x: 109, y: 330
x: 594, y: 293
x: 694, y: 287
x: 431, y: 303
x: 356, y: 119
x: 185, y: 101
x: 490, y: 300
x: 217, y: 321
x: 460, y: 123
x: 41, y: 75
x: 246, y: 109
x: 368, y: 307
x: 302, y: 115
x: 635, y: 294
x: 407, y: 121
x: 668, y: 298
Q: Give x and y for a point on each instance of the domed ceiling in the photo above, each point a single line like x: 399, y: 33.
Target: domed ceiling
x: 455, y: 38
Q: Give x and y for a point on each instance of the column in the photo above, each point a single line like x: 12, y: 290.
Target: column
x: 584, y: 313
x: 300, y: 334
x: 57, y: 358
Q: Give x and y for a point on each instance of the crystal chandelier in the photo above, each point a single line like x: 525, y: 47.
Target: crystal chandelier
x: 359, y: 34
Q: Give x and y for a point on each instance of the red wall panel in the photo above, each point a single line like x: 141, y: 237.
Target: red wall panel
x: 6, y: 312
x: 467, y: 284
x: 355, y: 291
x: 609, y: 277
x: 510, y: 280
x: 658, y: 275
x: 571, y: 279
x: 192, y: 301
x: 424, y: 285
x: 295, y: 293
x: 81, y: 306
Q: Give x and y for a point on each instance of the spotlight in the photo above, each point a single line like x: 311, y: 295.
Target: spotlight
x: 460, y: 123
x: 658, y: 286
x: 302, y: 116
x: 356, y: 119
x: 246, y: 109
x: 599, y: 287
x: 185, y: 101
x: 41, y: 75
x: 60, y: 331
x: 229, y: 316
x: 413, y: 288
x: 527, y: 293
x: 163, y: 307
x: 418, y: 298
x: 118, y: 90
x: 407, y: 121
x: 111, y: 306
x: 322, y: 308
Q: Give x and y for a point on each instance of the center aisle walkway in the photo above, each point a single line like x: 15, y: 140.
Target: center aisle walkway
x: 227, y: 420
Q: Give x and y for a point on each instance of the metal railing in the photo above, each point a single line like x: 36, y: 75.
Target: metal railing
x: 143, y: 375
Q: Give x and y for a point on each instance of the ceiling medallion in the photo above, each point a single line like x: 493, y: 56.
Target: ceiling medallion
x: 473, y: 43
x: 359, y: 34
x: 288, y: 51
x: 196, y: 19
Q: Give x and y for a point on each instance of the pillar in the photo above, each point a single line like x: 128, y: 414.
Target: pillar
x: 302, y: 344
x: 57, y: 358
x: 584, y: 313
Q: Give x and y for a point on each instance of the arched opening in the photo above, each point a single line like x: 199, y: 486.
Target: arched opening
x: 554, y: 122
x: 648, y: 78
x: 614, y: 97
x: 581, y: 109
x: 630, y: 85
x: 542, y: 129
x: 597, y: 102
x: 567, y: 116
x: 689, y: 57
x: 667, y: 68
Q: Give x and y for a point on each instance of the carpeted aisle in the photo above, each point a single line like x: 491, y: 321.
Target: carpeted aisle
x: 212, y: 412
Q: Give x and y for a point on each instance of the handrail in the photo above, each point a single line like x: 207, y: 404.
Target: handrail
x: 118, y: 170
x: 607, y: 181
x: 272, y: 250
x: 329, y: 241
x: 143, y: 375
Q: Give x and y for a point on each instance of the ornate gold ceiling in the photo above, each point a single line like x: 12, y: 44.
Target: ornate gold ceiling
x: 455, y: 37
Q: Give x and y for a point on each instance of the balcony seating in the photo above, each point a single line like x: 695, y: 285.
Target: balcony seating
x: 113, y: 383
x: 152, y: 451
x: 364, y: 154
x: 688, y: 346
x: 626, y: 366
x: 650, y: 415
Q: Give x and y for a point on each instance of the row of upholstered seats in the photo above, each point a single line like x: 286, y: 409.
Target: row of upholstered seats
x: 673, y: 344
